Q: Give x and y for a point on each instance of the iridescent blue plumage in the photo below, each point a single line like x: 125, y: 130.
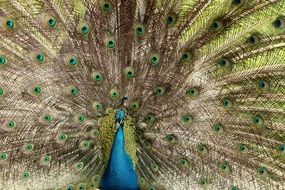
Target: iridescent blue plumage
x: 120, y: 173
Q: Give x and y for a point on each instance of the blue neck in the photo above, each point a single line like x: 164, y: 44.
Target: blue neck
x: 120, y: 173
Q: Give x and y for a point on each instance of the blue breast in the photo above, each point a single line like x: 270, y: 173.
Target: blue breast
x: 120, y: 173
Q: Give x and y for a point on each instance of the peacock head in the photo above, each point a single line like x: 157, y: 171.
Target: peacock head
x: 120, y: 116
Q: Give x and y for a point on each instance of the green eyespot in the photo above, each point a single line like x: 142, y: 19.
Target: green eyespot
x: 78, y: 165
x: 114, y: 94
x: 37, y: 90
x: 40, y: 57
x: 217, y: 25
x: 263, y: 85
x: 85, y: 145
x: 171, y: 138
x: 234, y: 188
x: 203, y: 182
x: 110, y: 43
x: 73, y: 91
x: 98, y: 106
x: 2, y: 60
x: 61, y: 138
x: 3, y: 156
x: 192, y: 92
x: 279, y: 22
x: 281, y: 148
x: 217, y: 128
x: 183, y: 163
x: 139, y: 30
x: 47, y: 118
x: 26, y: 175
x: 72, y: 61
x: 135, y: 106
x: 202, y: 149
x: 52, y: 22
x: 223, y: 62
x: 159, y: 91
x: 28, y: 148
x: 253, y: 39
x: 129, y: 72
x: 224, y: 167
x: 154, y: 59
x: 85, y: 29
x: 46, y: 159
x: 149, y: 118
x: 2, y: 91
x: 80, y: 118
x: 186, y: 119
x: 262, y: 171
x: 186, y: 56
x: 97, y: 77
x: 147, y: 145
x: 94, y: 133
x: 81, y: 186
x: 243, y: 148
x: 154, y: 167
x: 9, y: 24
x: 171, y: 19
x: 257, y: 120
x: 11, y: 124
x: 106, y: 7
x: 226, y: 103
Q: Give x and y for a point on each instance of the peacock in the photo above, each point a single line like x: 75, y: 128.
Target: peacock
x: 142, y: 94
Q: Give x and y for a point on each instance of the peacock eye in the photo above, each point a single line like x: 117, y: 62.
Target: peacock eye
x: 114, y: 94
x: 61, y: 138
x: 217, y: 128
x: 253, y: 39
x: 129, y: 72
x: 192, y: 92
x: 47, y: 118
x: 2, y: 91
x: 186, y: 57
x: 171, y: 19
x: 226, y: 103
x: 142, y: 181
x: 28, y: 148
x: 11, y: 124
x: 110, y: 43
x: 234, y: 188
x: 263, y: 85
x: 171, y: 138
x: 78, y: 165
x: 159, y: 91
x: 151, y: 188
x: 147, y: 145
x: 279, y: 22
x: 40, y: 57
x: 81, y: 186
x: 149, y: 118
x: 26, y: 175
x: 106, y: 7
x: 52, y: 22
x: 69, y: 187
x: 202, y: 149
x: 95, y: 179
x: 94, y: 133
x: 73, y: 91
x: 203, y: 182
x: 2, y: 60
x: 186, y: 119
x: 85, y: 29
x: 134, y: 106
x: 10, y: 24
x: 223, y: 62
x: 98, y: 106
x: 243, y: 148
x: 237, y: 2
x: 154, y: 59
x: 154, y: 167
x: 46, y: 159
x: 97, y: 77
x: 3, y: 156
x: 37, y: 90
x: 217, y: 25
x: 85, y: 145
x: 281, y: 148
x: 224, y: 167
x: 257, y: 120
x: 72, y: 61
x: 139, y: 30
x: 183, y: 163
x: 80, y: 118
x: 262, y: 171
